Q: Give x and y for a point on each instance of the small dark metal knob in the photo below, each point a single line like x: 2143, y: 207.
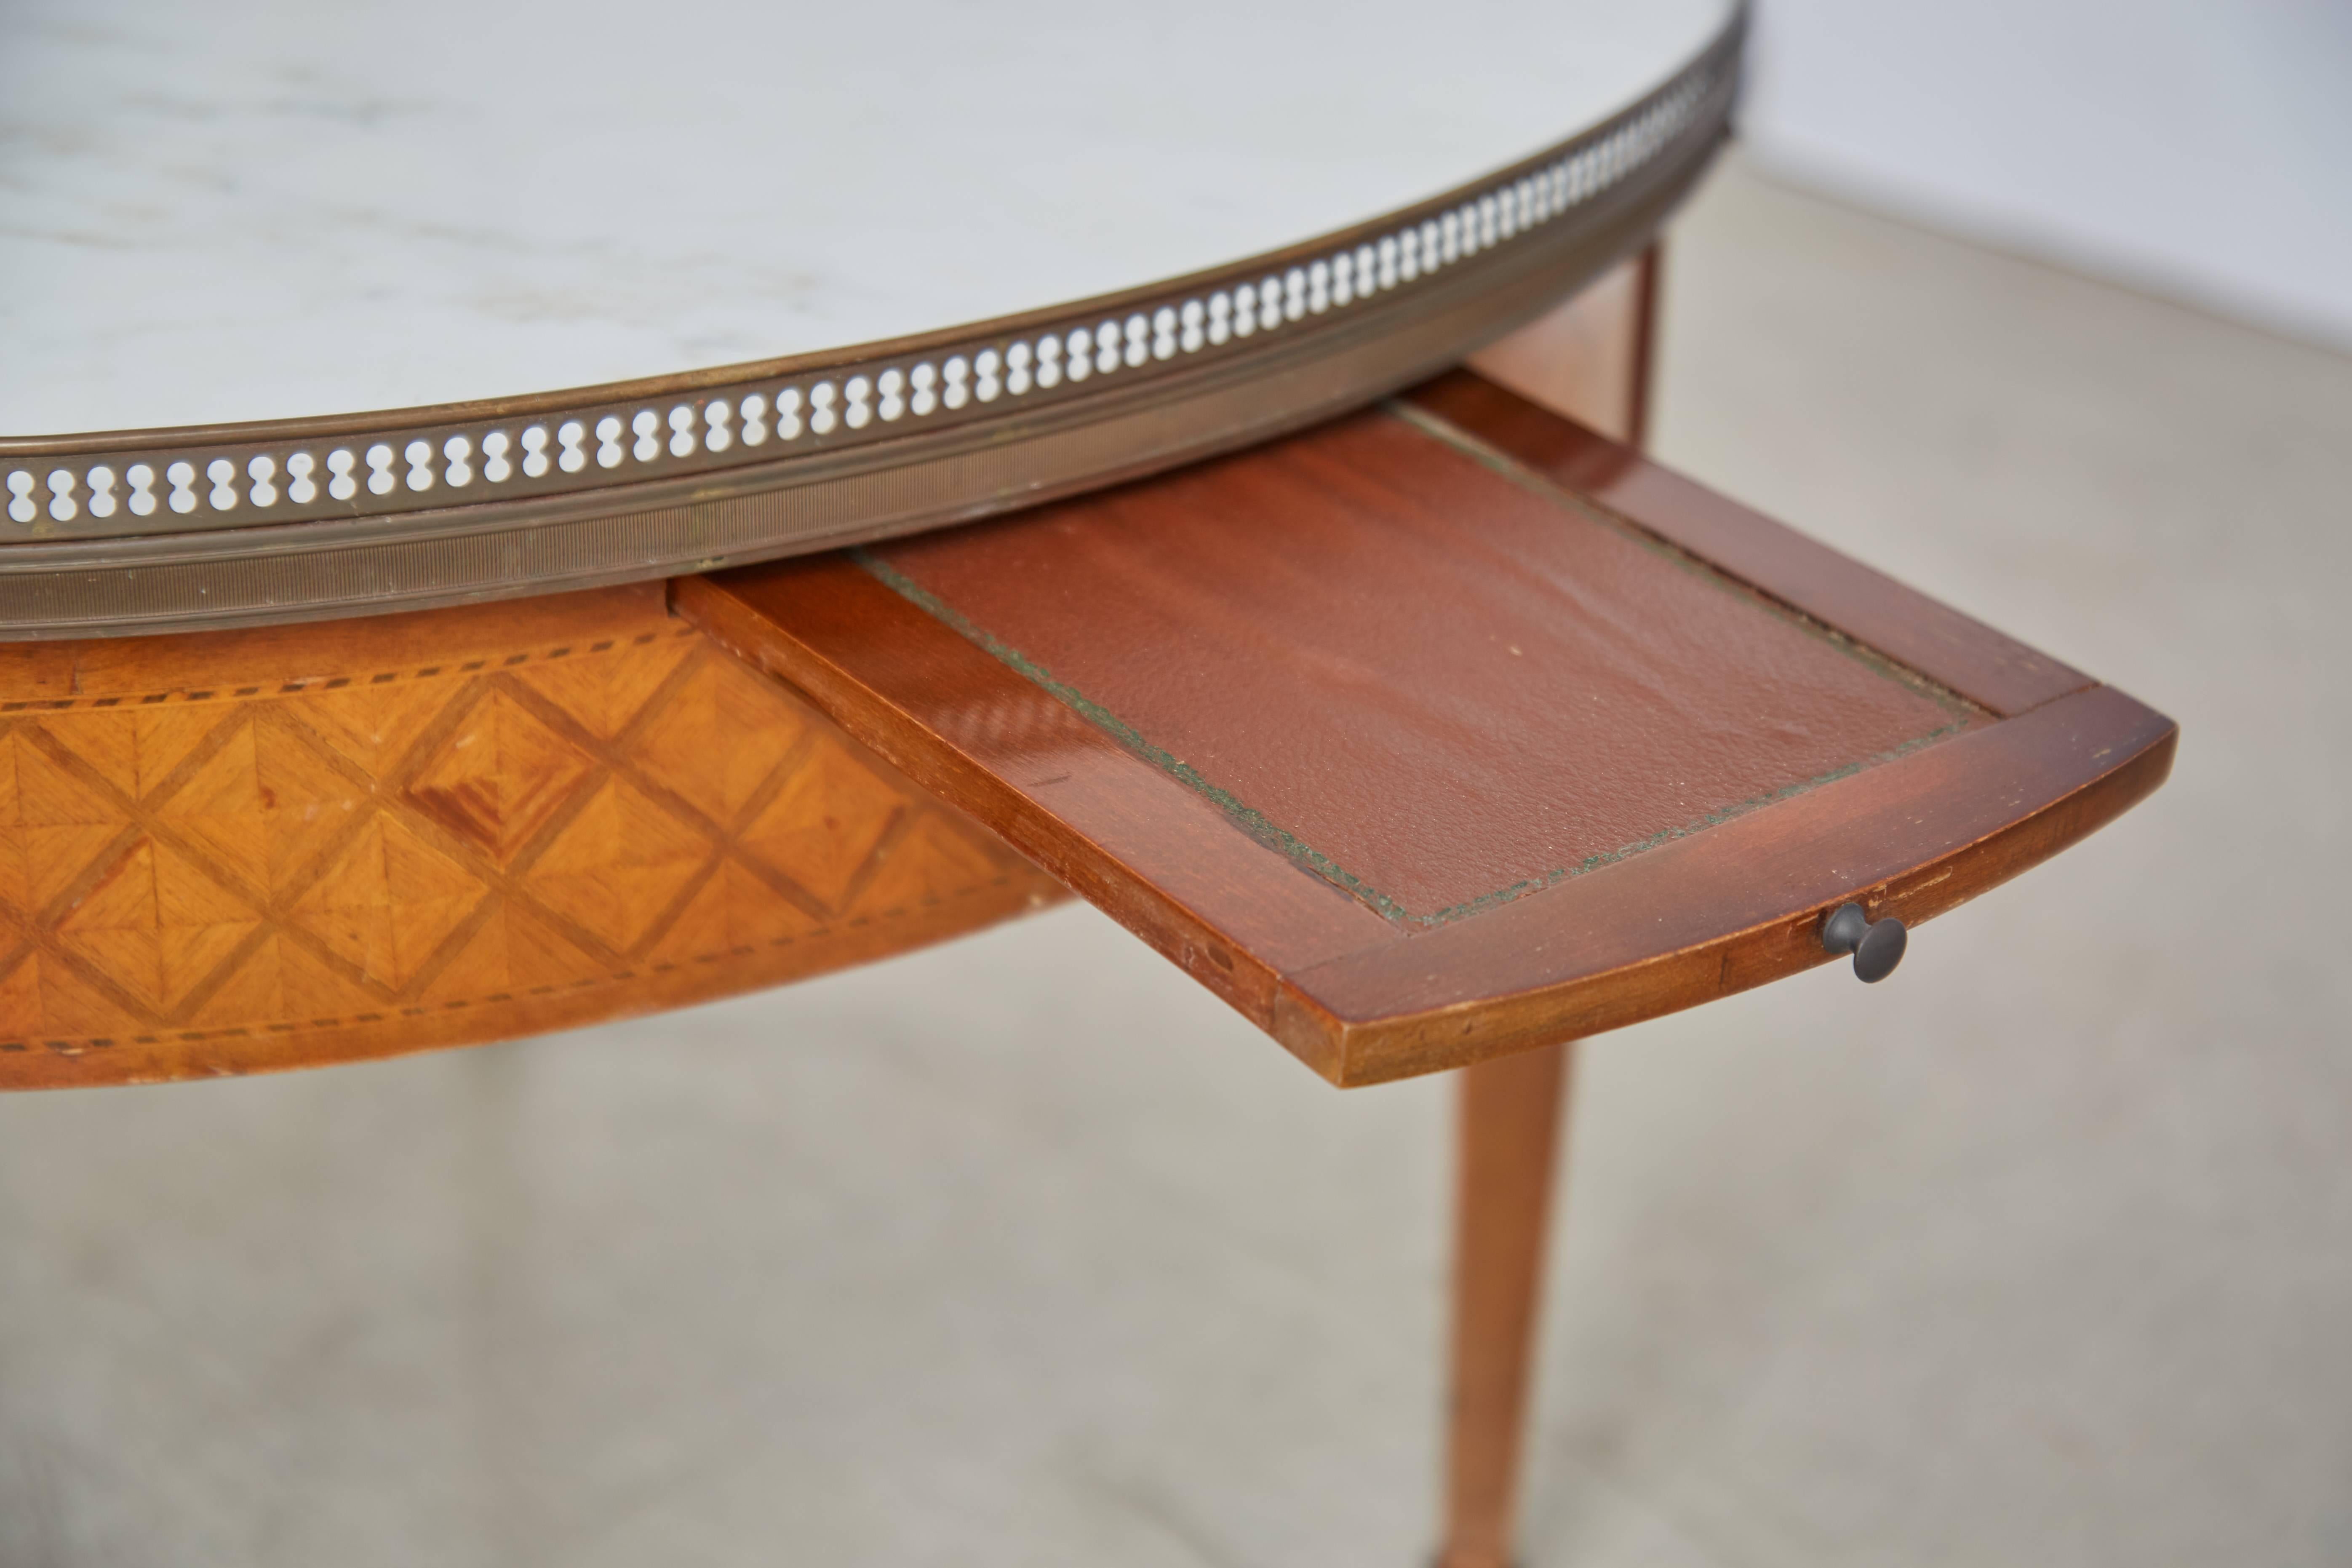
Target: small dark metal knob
x: 1877, y: 946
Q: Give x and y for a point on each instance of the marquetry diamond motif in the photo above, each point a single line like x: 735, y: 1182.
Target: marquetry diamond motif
x: 373, y: 725
x: 731, y: 911
x: 20, y: 998
x: 930, y: 862
x: 156, y: 925
x: 137, y: 752
x: 825, y: 822
x: 387, y: 902
x: 108, y: 743
x: 283, y: 979
x: 499, y: 777
x: 423, y: 848
x: 44, y: 996
x: 52, y: 826
x: 606, y: 693
x: 720, y: 737
x: 619, y: 865
x: 265, y: 803
x: 513, y: 951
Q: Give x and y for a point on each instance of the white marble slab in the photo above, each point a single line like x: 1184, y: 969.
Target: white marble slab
x: 253, y: 209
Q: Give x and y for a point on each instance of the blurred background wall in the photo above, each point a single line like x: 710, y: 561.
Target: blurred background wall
x: 2200, y: 149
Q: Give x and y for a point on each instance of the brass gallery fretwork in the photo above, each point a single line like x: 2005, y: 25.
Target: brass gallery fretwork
x: 199, y: 881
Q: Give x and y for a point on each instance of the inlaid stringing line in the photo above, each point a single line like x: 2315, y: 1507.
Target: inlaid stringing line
x: 415, y: 470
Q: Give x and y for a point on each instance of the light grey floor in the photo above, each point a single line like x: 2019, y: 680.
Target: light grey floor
x: 1025, y: 1252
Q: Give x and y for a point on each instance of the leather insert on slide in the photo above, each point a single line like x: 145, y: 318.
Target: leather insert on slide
x: 1423, y: 674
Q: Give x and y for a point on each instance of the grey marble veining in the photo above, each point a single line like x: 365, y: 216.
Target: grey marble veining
x: 256, y: 209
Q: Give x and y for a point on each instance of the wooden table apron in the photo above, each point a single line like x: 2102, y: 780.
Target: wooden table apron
x: 235, y: 852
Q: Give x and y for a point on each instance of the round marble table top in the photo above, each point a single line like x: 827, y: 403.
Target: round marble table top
x: 327, y: 311
x: 249, y: 210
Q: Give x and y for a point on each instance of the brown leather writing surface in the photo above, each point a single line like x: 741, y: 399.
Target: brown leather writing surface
x: 1966, y: 655
x: 1417, y: 754
x: 1437, y: 687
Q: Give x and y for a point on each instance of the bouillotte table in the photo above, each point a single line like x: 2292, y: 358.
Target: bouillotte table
x: 1086, y: 496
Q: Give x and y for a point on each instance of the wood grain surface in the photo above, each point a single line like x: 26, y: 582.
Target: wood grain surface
x: 1296, y: 732
x: 1509, y: 1125
x: 1963, y: 655
x: 231, y: 852
x: 1589, y: 358
x: 1436, y: 685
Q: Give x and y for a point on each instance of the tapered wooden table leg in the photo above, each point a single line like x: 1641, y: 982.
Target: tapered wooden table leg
x: 1511, y: 1112
x: 1591, y: 358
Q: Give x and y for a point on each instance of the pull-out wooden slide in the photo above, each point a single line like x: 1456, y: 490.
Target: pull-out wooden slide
x: 1450, y: 728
